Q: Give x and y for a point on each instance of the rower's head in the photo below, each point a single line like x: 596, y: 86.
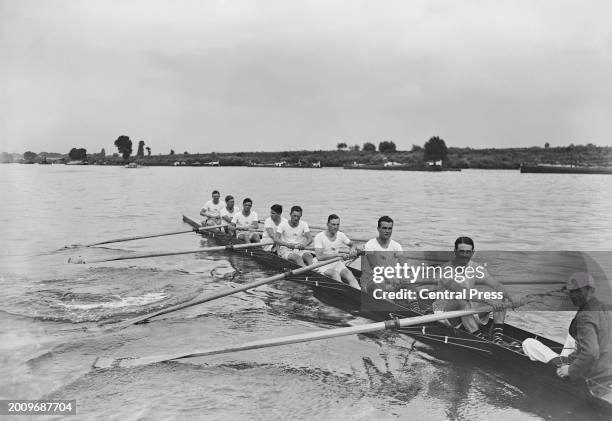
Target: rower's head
x: 580, y: 287
x: 215, y: 196
x: 229, y: 201
x: 464, y: 249
x: 295, y: 214
x: 275, y: 212
x: 333, y: 223
x: 247, y: 204
x: 385, y: 227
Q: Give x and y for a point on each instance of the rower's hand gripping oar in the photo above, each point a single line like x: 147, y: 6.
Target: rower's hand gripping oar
x: 393, y: 324
x: 175, y: 253
x: 223, y: 293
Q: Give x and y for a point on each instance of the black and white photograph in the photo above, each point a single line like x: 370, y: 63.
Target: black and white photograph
x: 305, y: 210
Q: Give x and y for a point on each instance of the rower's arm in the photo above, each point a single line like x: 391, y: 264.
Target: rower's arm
x: 308, y: 241
x: 277, y: 240
x: 497, y: 286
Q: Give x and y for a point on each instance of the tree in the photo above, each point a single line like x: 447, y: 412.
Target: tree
x: 341, y: 146
x: 435, y: 149
x: 171, y: 151
x: 140, y: 152
x: 79, y: 154
x: 546, y: 145
x: 29, y: 157
x: 386, y: 146
x: 355, y: 148
x: 124, y: 146
x: 103, y: 153
x: 148, y: 151
x: 416, y: 148
x: 369, y: 147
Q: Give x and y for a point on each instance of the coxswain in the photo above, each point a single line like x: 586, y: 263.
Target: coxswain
x: 587, y: 353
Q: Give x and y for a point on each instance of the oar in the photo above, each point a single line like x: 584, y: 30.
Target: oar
x: 163, y: 234
x: 303, y: 337
x: 223, y: 293
x: 176, y: 253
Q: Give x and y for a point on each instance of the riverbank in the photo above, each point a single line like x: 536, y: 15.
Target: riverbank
x: 458, y: 158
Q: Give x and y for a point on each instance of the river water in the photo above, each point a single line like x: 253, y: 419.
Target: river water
x: 50, y: 309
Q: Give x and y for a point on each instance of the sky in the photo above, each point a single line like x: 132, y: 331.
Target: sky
x: 246, y: 75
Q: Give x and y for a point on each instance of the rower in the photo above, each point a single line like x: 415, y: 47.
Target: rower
x: 228, y: 211
x: 245, y: 222
x: 212, y: 210
x: 380, y: 252
x: 587, y: 353
x: 271, y: 225
x: 464, y: 250
x: 293, y: 237
x: 333, y: 243
x: 383, y: 242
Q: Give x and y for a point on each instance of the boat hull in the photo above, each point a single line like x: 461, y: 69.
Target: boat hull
x: 436, y: 334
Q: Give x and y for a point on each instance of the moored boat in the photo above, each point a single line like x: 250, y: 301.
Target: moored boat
x: 505, y: 355
x: 560, y: 169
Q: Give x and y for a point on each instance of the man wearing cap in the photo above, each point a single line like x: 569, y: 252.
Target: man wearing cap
x: 591, y: 329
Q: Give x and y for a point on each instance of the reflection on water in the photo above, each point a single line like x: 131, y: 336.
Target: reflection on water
x: 48, y: 334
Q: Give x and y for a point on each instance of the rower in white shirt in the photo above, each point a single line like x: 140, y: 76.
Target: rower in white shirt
x: 228, y: 211
x: 211, y: 211
x: 245, y: 222
x: 271, y: 225
x: 374, y: 258
x: 333, y: 243
x: 293, y: 237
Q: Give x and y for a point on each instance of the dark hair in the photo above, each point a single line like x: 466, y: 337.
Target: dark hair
x: 464, y: 240
x: 296, y: 208
x: 384, y: 218
x: 247, y: 200
x: 216, y: 192
x: 332, y: 216
x: 228, y: 197
x: 277, y: 208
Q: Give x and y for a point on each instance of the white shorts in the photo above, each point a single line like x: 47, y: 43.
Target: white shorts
x: 337, y: 267
x: 284, y: 252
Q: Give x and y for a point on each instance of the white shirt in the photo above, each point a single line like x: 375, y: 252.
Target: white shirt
x: 374, y: 245
x: 225, y: 212
x: 322, y: 241
x: 213, y: 208
x: 269, y: 223
x: 293, y: 235
x: 242, y: 221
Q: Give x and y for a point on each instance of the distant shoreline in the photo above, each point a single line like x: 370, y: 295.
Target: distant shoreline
x: 457, y: 158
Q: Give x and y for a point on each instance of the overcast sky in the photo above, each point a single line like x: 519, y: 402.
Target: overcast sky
x: 250, y: 75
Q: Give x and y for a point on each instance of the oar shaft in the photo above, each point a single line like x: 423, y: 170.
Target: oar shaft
x: 176, y: 253
x: 138, y: 237
x: 224, y: 293
x: 306, y: 337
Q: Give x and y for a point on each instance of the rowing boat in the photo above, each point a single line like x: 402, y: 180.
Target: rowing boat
x: 352, y: 300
